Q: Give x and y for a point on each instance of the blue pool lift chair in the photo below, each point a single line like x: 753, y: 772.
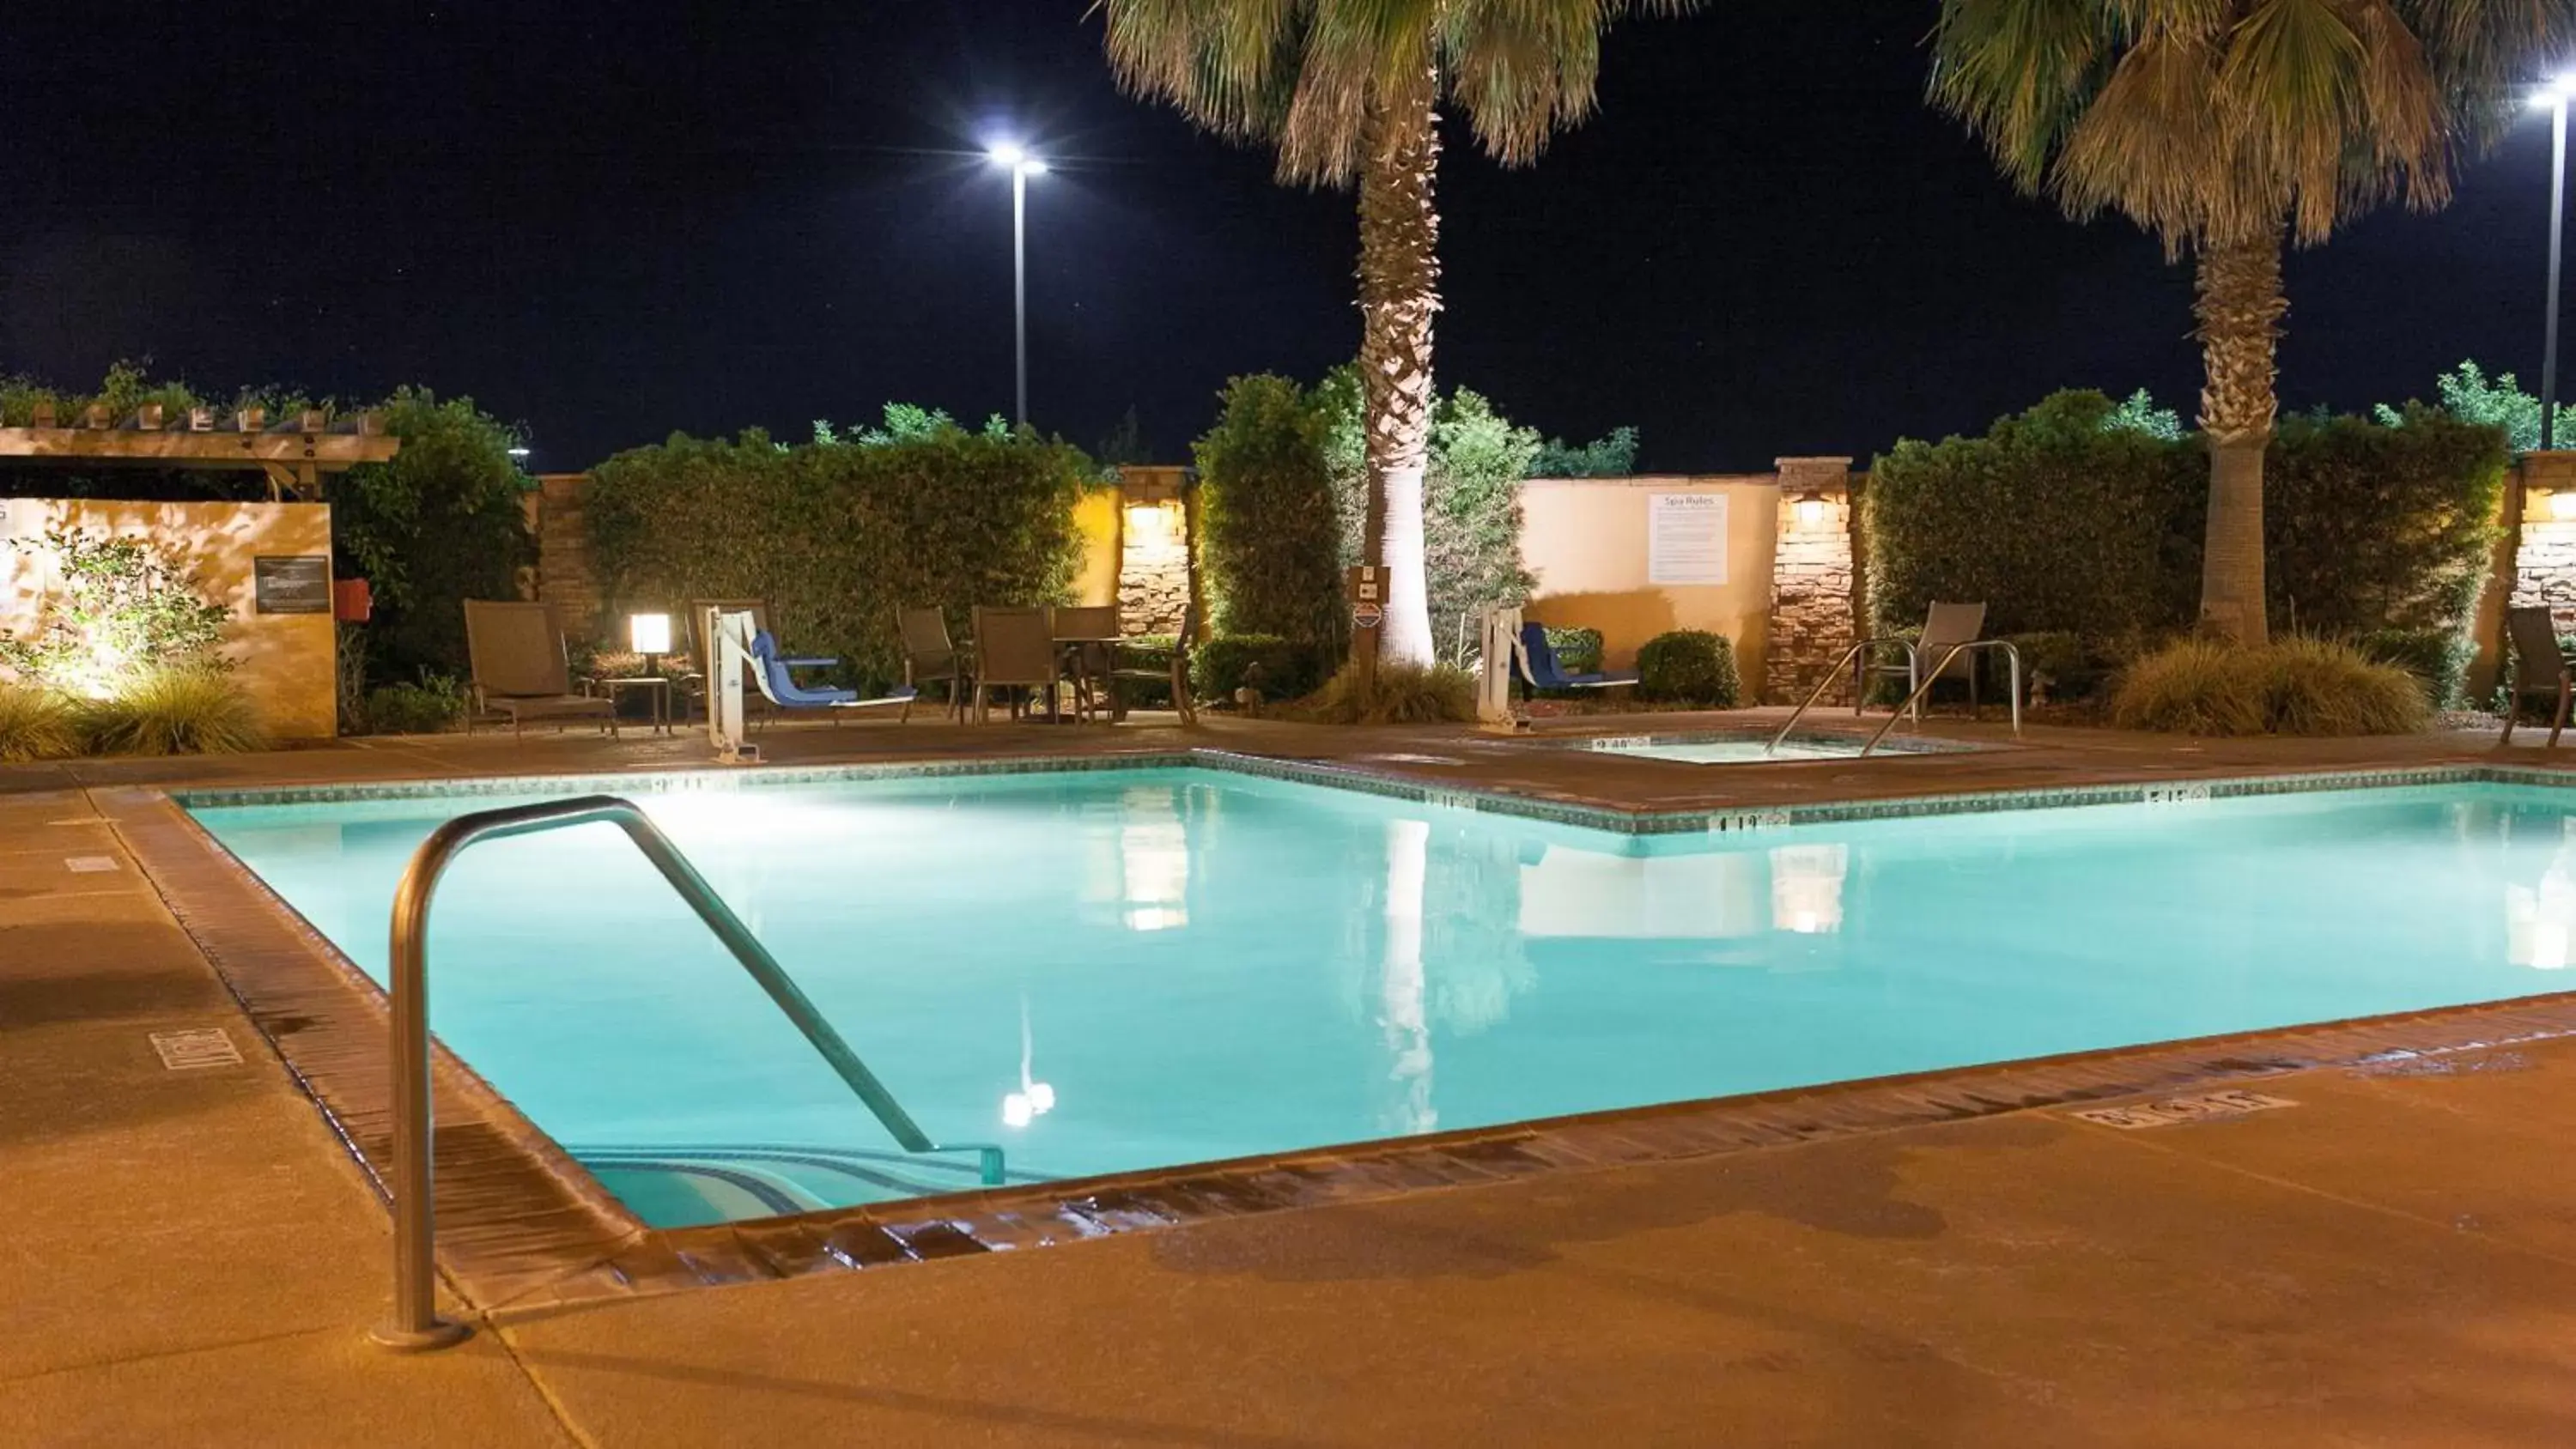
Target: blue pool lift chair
x: 774, y: 672
x: 1541, y: 670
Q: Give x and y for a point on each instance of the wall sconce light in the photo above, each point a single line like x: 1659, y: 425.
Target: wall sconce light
x: 649, y: 634
x: 1810, y: 510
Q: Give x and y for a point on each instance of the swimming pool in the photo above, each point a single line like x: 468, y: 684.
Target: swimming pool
x: 1741, y: 749
x: 1106, y: 970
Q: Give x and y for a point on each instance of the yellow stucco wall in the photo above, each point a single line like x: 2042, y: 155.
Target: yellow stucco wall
x: 286, y: 661
x: 1586, y: 540
x: 1096, y: 517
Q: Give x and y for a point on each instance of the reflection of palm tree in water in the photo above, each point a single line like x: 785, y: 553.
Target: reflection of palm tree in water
x: 1453, y: 955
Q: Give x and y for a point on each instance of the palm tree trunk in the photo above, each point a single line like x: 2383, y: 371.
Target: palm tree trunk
x: 2238, y: 306
x: 1399, y: 276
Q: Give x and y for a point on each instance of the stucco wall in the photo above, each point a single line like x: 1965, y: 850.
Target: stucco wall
x: 286, y: 661
x: 1586, y: 540
x: 1095, y: 517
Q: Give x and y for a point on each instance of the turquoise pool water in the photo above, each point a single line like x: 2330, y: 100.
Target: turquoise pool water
x: 1115, y: 970
x: 1752, y: 749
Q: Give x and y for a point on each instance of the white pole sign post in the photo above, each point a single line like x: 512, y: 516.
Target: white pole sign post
x: 1686, y: 538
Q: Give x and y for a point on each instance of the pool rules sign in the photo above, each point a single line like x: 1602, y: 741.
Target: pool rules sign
x: 1686, y: 538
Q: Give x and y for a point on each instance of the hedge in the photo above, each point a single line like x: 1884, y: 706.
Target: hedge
x: 1266, y: 535
x: 1277, y: 668
x: 1688, y: 666
x: 2062, y: 523
x: 836, y: 536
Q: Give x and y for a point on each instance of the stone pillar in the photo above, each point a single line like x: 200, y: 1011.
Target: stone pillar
x: 1153, y: 550
x: 1815, y: 588
x: 563, y: 576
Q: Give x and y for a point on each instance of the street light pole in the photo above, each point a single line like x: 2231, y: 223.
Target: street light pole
x: 1022, y: 166
x: 2557, y: 224
x: 1020, y: 279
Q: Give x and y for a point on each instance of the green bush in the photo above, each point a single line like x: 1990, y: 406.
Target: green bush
x: 172, y: 712
x: 1147, y: 651
x: 34, y: 725
x: 435, y: 705
x: 444, y: 522
x: 124, y: 604
x: 1278, y: 668
x: 2056, y: 521
x: 1689, y: 666
x: 2073, y: 672
x: 837, y: 536
x: 2061, y: 521
x: 2292, y: 686
x: 2439, y: 659
x: 1266, y: 537
x: 1394, y: 693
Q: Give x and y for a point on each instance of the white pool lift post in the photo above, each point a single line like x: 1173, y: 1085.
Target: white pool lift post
x: 731, y: 636
x: 1495, y: 712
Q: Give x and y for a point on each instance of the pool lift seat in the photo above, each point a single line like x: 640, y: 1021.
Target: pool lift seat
x: 741, y: 647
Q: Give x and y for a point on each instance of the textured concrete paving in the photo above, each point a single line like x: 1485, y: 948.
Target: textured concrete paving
x: 190, y: 1258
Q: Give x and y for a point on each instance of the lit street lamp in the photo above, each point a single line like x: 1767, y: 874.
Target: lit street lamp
x: 1023, y: 166
x: 2554, y: 96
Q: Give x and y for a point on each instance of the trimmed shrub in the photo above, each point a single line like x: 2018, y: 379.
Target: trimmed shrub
x: 2439, y: 659
x: 1147, y: 651
x: 2073, y: 671
x: 2062, y: 522
x: 1395, y: 693
x: 1267, y: 542
x: 837, y: 536
x: 125, y: 604
x: 1689, y: 666
x: 444, y: 522
x: 172, y: 712
x: 34, y: 725
x: 2293, y: 686
x: 1277, y: 668
x: 433, y: 706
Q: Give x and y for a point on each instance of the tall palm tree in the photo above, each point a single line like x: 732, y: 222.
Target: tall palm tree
x: 2224, y: 127
x: 1350, y: 90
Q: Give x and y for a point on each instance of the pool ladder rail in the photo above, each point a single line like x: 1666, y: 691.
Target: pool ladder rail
x: 415, y: 1323
x: 1913, y: 700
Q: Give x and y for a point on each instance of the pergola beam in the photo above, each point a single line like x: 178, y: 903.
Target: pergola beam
x: 294, y: 453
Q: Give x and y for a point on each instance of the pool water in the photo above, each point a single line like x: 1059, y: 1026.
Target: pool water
x: 1752, y: 749
x: 1109, y: 970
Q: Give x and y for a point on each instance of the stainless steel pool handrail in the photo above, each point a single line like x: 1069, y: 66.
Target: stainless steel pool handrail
x: 1860, y: 690
x: 415, y: 1323
x: 1934, y: 677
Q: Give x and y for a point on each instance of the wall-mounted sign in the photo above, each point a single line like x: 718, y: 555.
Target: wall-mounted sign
x: 1686, y: 538
x: 294, y: 585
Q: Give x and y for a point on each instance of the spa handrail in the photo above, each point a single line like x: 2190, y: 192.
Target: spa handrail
x: 415, y: 1323
x: 1851, y: 657
x: 1934, y: 677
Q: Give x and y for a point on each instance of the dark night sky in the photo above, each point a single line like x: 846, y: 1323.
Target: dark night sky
x: 610, y: 221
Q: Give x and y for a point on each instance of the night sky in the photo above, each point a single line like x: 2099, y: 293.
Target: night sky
x: 610, y: 221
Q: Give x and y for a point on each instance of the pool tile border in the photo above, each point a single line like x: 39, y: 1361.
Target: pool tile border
x: 524, y: 1229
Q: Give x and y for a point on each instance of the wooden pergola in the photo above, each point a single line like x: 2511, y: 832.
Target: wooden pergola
x: 293, y: 451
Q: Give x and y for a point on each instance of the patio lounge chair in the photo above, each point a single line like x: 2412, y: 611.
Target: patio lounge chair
x: 1540, y: 667
x: 1014, y: 648
x: 930, y: 656
x: 1945, y: 626
x: 516, y: 654
x: 2539, y: 667
x: 1177, y: 672
x: 773, y: 672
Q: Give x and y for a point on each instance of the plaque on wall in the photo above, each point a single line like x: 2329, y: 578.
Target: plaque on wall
x: 299, y: 584
x: 1686, y: 538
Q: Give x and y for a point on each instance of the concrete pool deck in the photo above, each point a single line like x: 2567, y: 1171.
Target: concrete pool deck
x: 192, y: 1257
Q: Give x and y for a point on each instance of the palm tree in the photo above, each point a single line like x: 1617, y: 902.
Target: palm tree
x: 1350, y: 90
x: 2224, y: 126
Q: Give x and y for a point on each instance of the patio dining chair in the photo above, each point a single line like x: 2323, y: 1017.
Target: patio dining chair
x: 2540, y: 666
x: 515, y: 652
x: 930, y: 656
x: 1014, y: 649
x: 1084, y: 636
x: 1175, y: 672
x: 1945, y: 627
